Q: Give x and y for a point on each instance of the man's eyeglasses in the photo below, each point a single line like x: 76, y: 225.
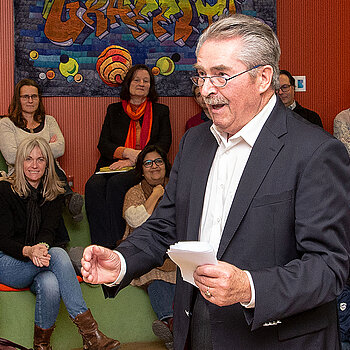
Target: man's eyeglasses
x: 284, y: 88
x: 218, y: 80
x: 28, y: 97
x: 149, y: 163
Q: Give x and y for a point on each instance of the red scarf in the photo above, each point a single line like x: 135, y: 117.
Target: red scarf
x: 145, y: 110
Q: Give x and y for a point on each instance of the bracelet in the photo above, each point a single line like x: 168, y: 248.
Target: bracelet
x: 45, y: 244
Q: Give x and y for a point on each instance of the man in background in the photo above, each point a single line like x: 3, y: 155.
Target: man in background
x: 286, y: 92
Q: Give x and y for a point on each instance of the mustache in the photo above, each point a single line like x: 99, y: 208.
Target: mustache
x: 215, y: 100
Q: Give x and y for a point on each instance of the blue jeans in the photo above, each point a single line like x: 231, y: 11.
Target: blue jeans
x: 161, y: 295
x: 50, y: 284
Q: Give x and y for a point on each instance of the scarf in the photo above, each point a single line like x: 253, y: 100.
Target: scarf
x: 145, y: 110
x: 33, y: 212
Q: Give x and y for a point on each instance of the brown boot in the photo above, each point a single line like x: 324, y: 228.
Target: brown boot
x: 93, y: 338
x: 42, y: 338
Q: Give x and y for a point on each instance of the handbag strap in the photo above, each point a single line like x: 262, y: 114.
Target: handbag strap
x: 7, y: 342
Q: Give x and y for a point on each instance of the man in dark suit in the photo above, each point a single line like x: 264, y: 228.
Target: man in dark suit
x: 268, y: 191
x: 286, y: 92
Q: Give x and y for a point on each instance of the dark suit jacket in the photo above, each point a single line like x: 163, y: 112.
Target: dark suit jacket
x: 115, y: 130
x: 288, y: 225
x: 309, y: 115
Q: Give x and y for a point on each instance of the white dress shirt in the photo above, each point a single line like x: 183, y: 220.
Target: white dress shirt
x: 225, y: 173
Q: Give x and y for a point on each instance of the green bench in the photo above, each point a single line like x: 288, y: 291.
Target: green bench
x: 128, y: 317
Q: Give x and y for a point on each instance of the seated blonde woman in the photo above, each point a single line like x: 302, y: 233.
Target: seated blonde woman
x: 30, y: 211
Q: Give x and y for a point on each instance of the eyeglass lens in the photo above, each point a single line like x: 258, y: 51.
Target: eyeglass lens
x: 285, y: 88
x: 216, y: 81
x: 149, y: 163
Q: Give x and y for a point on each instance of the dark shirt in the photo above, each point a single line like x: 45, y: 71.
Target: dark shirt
x: 309, y: 115
x: 13, y: 218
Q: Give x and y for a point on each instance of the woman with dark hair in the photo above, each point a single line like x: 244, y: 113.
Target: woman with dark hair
x: 128, y: 127
x: 30, y: 211
x: 26, y: 118
x: 140, y: 201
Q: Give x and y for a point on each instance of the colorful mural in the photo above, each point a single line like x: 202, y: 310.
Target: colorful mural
x: 84, y: 48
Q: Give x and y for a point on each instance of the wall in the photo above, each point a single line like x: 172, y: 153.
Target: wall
x: 315, y: 37
x: 314, y: 41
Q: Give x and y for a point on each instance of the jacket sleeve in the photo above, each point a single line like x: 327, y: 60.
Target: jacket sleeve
x: 8, y: 243
x: 164, y: 137
x: 322, y: 221
x: 108, y: 141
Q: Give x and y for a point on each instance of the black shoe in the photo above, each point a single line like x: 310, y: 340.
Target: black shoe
x: 74, y: 203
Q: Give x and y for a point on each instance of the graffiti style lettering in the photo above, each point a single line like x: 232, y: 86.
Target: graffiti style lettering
x: 177, y: 18
x: 93, y: 16
x: 163, y: 16
x: 70, y: 25
x: 212, y: 13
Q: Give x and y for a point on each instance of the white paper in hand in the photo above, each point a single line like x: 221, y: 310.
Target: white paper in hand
x: 190, y: 254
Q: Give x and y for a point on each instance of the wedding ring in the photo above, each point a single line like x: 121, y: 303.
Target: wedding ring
x: 207, y: 293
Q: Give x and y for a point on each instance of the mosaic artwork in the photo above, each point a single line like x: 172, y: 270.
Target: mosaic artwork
x: 84, y: 48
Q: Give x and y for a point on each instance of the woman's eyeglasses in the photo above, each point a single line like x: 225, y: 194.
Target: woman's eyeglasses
x: 149, y: 163
x: 28, y: 97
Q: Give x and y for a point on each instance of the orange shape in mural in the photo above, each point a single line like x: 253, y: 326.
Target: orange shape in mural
x: 113, y: 64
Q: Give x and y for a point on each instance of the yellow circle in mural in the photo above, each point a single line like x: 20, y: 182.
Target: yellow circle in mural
x: 69, y: 68
x: 34, y: 55
x: 50, y: 74
x: 166, y: 65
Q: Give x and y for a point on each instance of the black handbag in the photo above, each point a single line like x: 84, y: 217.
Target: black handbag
x: 6, y: 344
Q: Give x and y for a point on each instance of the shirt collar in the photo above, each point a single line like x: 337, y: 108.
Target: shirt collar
x: 293, y: 105
x: 250, y: 132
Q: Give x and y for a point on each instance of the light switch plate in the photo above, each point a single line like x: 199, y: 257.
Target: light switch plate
x: 300, y: 82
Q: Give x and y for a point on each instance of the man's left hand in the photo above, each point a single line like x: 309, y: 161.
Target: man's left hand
x: 223, y: 284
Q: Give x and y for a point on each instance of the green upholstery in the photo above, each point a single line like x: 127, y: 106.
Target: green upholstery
x: 3, y: 165
x: 128, y: 317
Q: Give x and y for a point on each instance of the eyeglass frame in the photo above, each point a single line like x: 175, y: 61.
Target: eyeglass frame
x: 33, y: 97
x: 160, y: 160
x: 221, y: 77
x: 284, y: 87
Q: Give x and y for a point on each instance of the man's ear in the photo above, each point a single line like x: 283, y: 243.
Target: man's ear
x: 265, y: 78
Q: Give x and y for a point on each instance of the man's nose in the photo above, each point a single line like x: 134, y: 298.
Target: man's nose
x: 207, y: 88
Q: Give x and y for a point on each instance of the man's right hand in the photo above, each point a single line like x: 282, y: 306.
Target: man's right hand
x: 100, y: 265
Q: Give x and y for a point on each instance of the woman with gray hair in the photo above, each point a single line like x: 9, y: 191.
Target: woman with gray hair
x: 30, y: 210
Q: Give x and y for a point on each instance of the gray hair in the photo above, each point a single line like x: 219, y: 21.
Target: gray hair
x: 260, y: 43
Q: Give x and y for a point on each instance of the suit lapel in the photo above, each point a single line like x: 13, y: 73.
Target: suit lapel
x: 264, y: 152
x: 203, y: 162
